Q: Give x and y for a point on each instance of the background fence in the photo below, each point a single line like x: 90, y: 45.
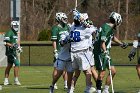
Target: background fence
x: 42, y: 54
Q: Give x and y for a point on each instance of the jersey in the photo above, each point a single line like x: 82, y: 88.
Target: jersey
x: 56, y: 31
x: 105, y: 34
x: 80, y: 37
x: 64, y: 53
x: 10, y: 37
x: 136, y: 44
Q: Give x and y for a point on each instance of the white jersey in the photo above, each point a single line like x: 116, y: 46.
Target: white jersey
x: 64, y: 53
x: 90, y: 41
x: 80, y: 35
x: 136, y: 44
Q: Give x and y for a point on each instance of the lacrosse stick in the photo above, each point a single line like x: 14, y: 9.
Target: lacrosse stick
x: 75, y: 4
x: 110, y: 75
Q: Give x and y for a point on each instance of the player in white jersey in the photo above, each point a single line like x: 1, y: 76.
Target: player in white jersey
x: 80, y: 33
x: 63, y: 62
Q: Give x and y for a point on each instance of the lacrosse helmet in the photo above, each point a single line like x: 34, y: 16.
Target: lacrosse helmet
x: 61, y: 17
x: 138, y: 35
x: 15, y: 25
x: 115, y: 18
x: 80, y: 16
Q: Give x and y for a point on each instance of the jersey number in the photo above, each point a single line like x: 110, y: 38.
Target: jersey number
x: 75, y: 36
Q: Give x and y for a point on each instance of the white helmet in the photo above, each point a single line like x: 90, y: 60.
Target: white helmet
x: 15, y: 25
x: 84, y: 16
x: 117, y: 18
x: 60, y: 16
x: 80, y: 16
x: 138, y: 35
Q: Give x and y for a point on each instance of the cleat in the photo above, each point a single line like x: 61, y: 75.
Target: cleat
x: 17, y: 83
x: 65, y: 87
x: 105, y: 91
x: 90, y: 90
x: 71, y: 90
x: 0, y: 87
x: 6, y: 83
x: 51, y: 89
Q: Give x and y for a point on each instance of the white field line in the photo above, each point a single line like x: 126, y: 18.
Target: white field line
x: 24, y: 86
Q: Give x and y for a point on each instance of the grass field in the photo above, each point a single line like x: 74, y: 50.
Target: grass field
x: 37, y: 79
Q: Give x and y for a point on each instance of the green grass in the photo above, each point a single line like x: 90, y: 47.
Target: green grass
x: 37, y: 79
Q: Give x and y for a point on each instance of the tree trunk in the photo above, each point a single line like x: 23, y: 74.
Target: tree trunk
x: 126, y: 31
x: 118, y: 32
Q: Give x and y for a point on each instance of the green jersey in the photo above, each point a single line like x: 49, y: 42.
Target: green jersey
x: 105, y: 34
x: 56, y: 33
x: 10, y: 37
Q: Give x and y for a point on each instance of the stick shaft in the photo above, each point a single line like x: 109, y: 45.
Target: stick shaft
x: 111, y: 76
x: 75, y: 4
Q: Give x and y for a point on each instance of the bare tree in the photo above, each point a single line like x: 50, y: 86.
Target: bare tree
x: 126, y: 31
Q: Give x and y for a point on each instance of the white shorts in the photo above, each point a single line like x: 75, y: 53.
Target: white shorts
x: 91, y: 58
x: 81, y: 60
x: 62, y: 65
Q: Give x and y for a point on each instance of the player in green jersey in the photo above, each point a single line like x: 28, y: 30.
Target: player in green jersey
x: 102, y: 50
x: 12, y: 46
x: 56, y: 32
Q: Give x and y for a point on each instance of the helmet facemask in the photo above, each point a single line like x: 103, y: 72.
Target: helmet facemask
x: 64, y: 20
x: 15, y: 26
x: 62, y: 17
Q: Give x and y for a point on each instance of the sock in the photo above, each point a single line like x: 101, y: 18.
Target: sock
x: 65, y: 83
x: 6, y: 79
x: 54, y: 84
x: 72, y: 87
x: 16, y: 78
x: 98, y: 84
x: 98, y: 91
x: 106, y: 87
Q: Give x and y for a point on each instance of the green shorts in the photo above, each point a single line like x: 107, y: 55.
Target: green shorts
x: 13, y: 60
x: 101, y: 62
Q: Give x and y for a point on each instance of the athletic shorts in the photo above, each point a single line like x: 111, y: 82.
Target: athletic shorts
x: 81, y: 60
x: 91, y: 58
x: 101, y: 62
x: 62, y: 65
x: 12, y: 59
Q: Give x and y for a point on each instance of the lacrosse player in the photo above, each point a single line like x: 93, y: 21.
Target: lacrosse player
x: 63, y: 62
x: 132, y: 53
x: 91, y: 60
x: 12, y: 46
x: 56, y: 32
x: 80, y: 33
x: 102, y: 50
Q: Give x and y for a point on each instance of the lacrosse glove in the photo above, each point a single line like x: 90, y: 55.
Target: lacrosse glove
x: 19, y: 50
x: 15, y: 45
x: 55, y: 54
x: 106, y: 53
x: 124, y: 45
